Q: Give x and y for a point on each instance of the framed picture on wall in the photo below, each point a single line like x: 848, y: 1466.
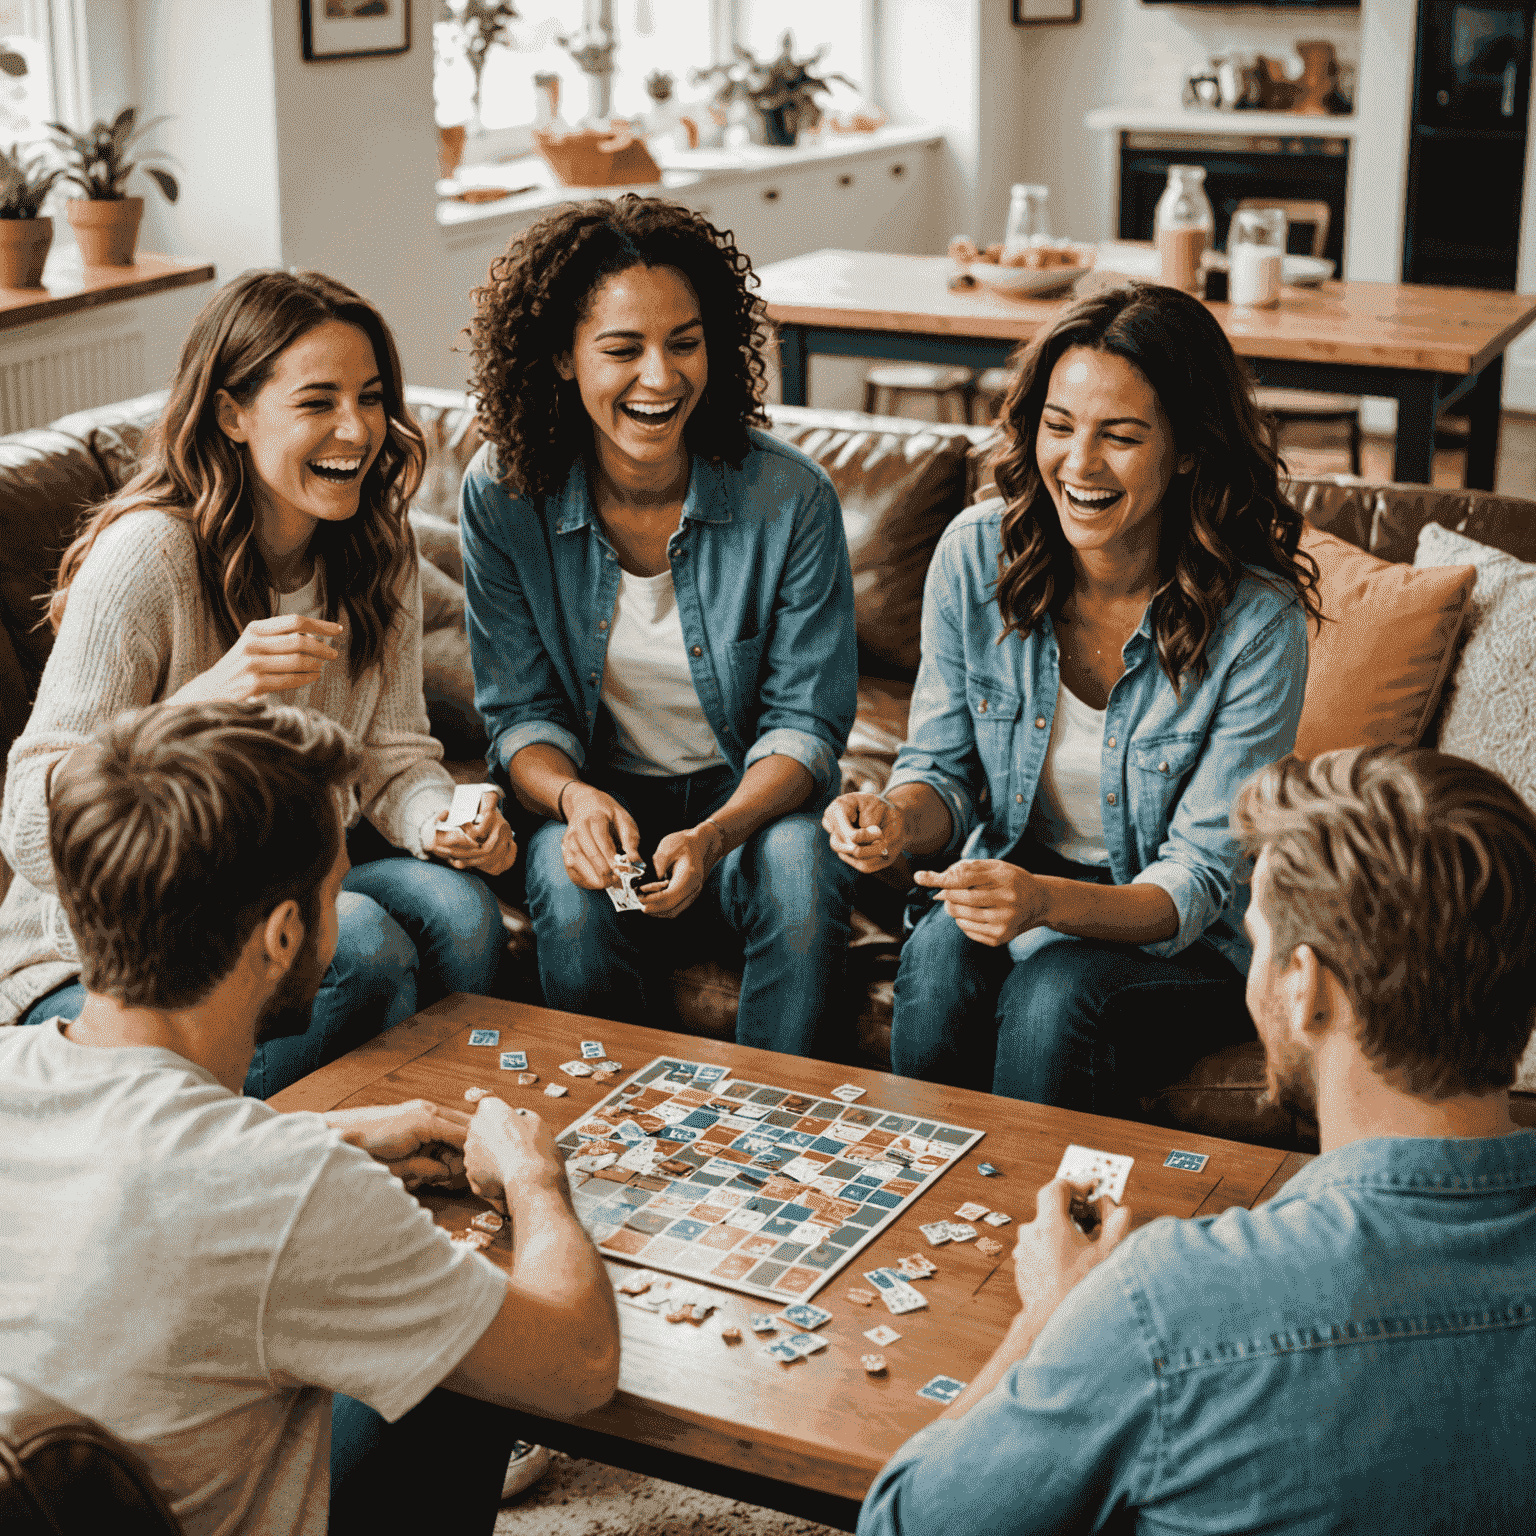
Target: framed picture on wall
x: 356, y: 29
x: 1045, y: 13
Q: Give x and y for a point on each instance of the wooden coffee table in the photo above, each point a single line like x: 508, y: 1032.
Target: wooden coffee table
x: 809, y: 1438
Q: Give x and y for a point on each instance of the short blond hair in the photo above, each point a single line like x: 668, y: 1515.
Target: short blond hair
x: 1412, y: 877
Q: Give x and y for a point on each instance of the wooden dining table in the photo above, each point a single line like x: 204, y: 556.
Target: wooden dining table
x: 1426, y: 348
x: 692, y: 1408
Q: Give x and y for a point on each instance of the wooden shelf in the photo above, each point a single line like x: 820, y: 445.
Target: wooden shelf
x: 68, y: 287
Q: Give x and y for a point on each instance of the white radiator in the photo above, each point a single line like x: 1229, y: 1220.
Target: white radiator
x: 38, y: 387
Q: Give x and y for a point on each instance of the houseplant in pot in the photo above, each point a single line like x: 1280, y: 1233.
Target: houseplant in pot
x: 24, y: 234
x: 783, y: 91
x: 105, y: 221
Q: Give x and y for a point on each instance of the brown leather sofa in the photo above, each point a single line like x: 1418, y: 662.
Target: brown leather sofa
x: 900, y: 483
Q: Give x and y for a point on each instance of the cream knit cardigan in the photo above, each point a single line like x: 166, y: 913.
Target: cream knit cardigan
x: 137, y: 629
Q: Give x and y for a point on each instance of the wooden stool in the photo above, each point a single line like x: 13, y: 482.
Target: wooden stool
x: 991, y: 385
x: 900, y: 379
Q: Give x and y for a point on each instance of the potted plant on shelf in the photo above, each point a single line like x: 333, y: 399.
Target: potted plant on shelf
x: 105, y: 222
x: 24, y: 234
x: 783, y: 91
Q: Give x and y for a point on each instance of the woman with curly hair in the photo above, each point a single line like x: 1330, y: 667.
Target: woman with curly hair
x: 1109, y: 649
x: 262, y: 548
x: 661, y: 620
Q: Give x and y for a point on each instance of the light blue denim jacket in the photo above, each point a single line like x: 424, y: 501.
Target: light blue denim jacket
x: 1171, y: 764
x: 764, y: 591
x: 1357, y: 1355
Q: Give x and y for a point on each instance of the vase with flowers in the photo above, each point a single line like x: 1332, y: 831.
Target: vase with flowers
x: 782, y: 92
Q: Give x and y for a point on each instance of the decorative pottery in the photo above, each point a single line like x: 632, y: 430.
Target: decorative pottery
x: 450, y: 149
x: 23, y: 250
x: 106, y: 230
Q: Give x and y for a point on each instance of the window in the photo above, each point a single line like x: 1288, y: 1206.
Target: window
x: 840, y: 28
x: 27, y: 98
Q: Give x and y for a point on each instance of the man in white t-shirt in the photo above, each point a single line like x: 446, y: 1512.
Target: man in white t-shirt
x: 199, y: 1273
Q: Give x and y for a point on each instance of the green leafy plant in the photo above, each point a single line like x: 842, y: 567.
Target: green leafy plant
x: 24, y: 183
x: 783, y: 85
x: 97, y: 160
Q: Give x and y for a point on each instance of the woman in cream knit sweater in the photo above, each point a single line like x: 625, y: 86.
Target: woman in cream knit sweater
x: 263, y: 549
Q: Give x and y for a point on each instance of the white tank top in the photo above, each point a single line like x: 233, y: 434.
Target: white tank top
x: 660, y: 728
x: 1066, y: 816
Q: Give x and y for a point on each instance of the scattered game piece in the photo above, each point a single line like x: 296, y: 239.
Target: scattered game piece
x: 636, y: 1284
x: 487, y: 1221
x: 936, y: 1232
x: 874, y: 1365
x: 997, y: 1218
x: 806, y: 1343
x: 806, y: 1316
x: 942, y: 1389
x: 916, y: 1267
x: 514, y: 1061
x: 528, y: 1079
x: 683, y: 1314
x: 592, y: 1050
x: 470, y: 1239
x: 1106, y: 1171
x: 1190, y: 1162
x: 556, y: 1090
x: 623, y: 895
x: 575, y: 1069
x: 786, y: 1354
x: 464, y: 808
x: 899, y: 1297
x: 986, y: 1170
x: 484, y: 1036
x: 606, y: 1068
x: 760, y: 1322
x: 474, y: 1095
x: 989, y: 1246
x: 961, y: 1231
x: 731, y: 1334
x: 861, y: 1298
x: 848, y: 1093
x: 882, y: 1335
x: 971, y: 1211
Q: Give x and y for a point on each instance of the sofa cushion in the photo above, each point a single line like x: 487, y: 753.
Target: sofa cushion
x: 1489, y: 714
x: 1378, y: 663
x: 900, y: 483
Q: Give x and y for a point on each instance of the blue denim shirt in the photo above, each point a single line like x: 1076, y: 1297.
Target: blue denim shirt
x: 1357, y: 1355
x: 764, y: 592
x: 1171, y: 764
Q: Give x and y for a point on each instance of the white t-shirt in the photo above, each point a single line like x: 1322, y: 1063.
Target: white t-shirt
x: 660, y: 728
x: 199, y: 1273
x: 306, y: 603
x: 1066, y: 815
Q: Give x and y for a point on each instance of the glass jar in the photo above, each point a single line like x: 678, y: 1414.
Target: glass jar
x: 1183, y: 227
x: 1029, y: 219
x: 1256, y: 256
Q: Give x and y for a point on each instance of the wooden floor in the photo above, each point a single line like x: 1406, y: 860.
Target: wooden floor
x: 1324, y: 450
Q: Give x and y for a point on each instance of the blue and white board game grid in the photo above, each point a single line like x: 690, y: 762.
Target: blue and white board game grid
x: 745, y: 1185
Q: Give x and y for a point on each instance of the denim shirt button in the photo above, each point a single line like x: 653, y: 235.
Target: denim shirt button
x: 602, y: 623
x: 1110, y: 797
x: 1162, y: 767
x: 1110, y: 743
x: 698, y: 650
x: 592, y: 677
x: 1018, y: 799
x: 981, y: 708
x: 1040, y: 724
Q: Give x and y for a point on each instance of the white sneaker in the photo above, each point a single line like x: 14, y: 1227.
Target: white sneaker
x: 529, y: 1463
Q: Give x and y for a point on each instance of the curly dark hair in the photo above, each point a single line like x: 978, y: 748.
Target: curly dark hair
x: 1226, y: 512
x: 526, y: 317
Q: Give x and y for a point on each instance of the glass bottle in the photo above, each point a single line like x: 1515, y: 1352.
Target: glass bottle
x: 1029, y: 219
x: 1183, y: 227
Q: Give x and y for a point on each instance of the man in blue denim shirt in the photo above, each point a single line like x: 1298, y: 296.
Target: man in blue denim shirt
x: 1360, y: 1353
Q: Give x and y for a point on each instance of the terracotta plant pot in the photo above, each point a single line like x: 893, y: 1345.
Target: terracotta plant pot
x: 450, y: 149
x: 106, y: 231
x: 23, y: 250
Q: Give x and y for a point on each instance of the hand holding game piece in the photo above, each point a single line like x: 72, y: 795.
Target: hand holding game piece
x: 683, y: 861
x: 510, y: 1147
x: 874, y: 1365
x: 1051, y: 1255
x: 597, y: 830
x: 1105, y: 1172
x: 472, y: 833
x: 413, y: 1138
x: 990, y: 900
x: 867, y: 832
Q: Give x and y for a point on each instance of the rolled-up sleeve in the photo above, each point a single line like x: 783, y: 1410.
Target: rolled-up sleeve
x: 1254, y: 724
x: 940, y: 749
x: 809, y: 682
x: 517, y: 688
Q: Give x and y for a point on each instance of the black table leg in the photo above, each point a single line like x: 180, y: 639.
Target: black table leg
x: 1484, y: 407
x: 1413, y: 454
x: 794, y: 365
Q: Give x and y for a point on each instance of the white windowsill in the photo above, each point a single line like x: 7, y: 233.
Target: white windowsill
x: 1210, y: 120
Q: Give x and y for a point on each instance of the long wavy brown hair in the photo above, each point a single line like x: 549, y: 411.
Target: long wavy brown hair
x: 1225, y: 513
x: 190, y: 469
x: 526, y: 316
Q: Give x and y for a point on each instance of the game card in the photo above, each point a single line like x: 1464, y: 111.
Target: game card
x: 465, y: 805
x: 942, y: 1389
x: 760, y: 1322
x: 514, y: 1061
x: 805, y: 1343
x: 997, y: 1219
x: 623, y: 895
x: 1106, y: 1171
x: 936, y: 1232
x: 805, y: 1317
x: 899, y: 1297
x: 971, y: 1211
x: 881, y: 1335
x: 484, y: 1036
x: 592, y: 1050
x: 1190, y: 1162
x: 782, y: 1351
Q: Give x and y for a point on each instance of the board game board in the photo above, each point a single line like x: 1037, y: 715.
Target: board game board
x: 744, y: 1185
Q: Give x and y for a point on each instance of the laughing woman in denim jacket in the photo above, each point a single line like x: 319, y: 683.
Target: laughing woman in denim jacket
x: 1108, y: 651
x: 661, y: 620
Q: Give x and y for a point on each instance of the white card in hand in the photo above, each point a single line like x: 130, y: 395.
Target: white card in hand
x: 466, y: 804
x: 1106, y: 1171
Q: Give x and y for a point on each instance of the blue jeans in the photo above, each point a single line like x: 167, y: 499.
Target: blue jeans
x: 410, y: 932
x: 438, y: 1467
x: 783, y: 898
x: 1078, y: 1023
